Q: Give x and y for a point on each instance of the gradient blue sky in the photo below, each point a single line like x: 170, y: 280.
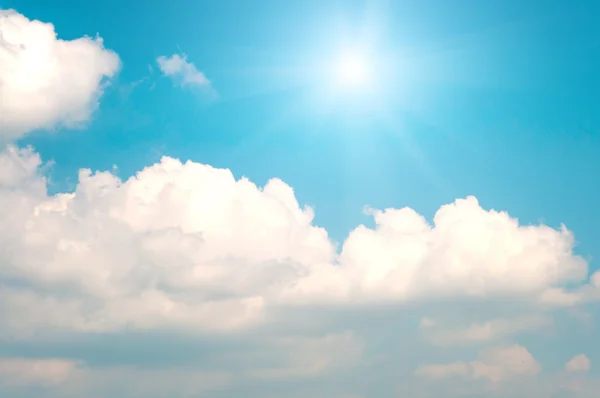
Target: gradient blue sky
x: 486, y: 98
x: 498, y: 100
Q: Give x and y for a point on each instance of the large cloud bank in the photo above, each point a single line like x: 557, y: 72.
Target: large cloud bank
x: 189, y: 245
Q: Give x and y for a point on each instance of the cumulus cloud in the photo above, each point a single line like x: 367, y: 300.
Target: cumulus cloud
x: 189, y: 246
x: 495, y: 365
x: 561, y: 296
x: 578, y: 364
x: 468, y: 251
x: 182, y: 72
x: 46, y: 81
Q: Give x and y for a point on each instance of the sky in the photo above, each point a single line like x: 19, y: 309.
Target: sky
x: 340, y: 199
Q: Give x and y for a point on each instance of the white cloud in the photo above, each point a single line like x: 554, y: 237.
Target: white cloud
x: 468, y: 252
x: 46, y: 81
x: 186, y: 245
x: 272, y: 360
x: 24, y: 371
x: 427, y: 323
x: 559, y: 296
x: 17, y: 165
x: 495, y: 365
x: 182, y: 72
x: 578, y: 364
x: 65, y: 378
x: 440, y: 333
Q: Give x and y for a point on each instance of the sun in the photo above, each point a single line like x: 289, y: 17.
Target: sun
x: 352, y: 71
x: 349, y: 80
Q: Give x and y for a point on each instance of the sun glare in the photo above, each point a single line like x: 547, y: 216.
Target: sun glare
x: 352, y: 71
x: 350, y: 81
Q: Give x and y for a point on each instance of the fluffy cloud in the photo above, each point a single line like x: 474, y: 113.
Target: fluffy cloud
x: 46, y: 81
x: 578, y: 364
x: 182, y: 72
x: 495, y: 365
x: 186, y: 245
x: 468, y: 251
x: 570, y: 297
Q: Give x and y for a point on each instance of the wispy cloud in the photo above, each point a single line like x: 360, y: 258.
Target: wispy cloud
x: 438, y: 332
x: 182, y: 72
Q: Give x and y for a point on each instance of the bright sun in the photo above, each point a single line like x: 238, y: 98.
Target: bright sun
x: 352, y: 71
x: 351, y: 80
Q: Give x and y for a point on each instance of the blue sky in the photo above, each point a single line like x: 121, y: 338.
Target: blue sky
x: 501, y: 97
x: 495, y: 100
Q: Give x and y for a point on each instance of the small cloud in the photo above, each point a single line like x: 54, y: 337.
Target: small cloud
x: 578, y: 364
x: 182, y: 72
x: 494, y: 364
x: 427, y: 323
x: 136, y: 83
x: 126, y: 89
